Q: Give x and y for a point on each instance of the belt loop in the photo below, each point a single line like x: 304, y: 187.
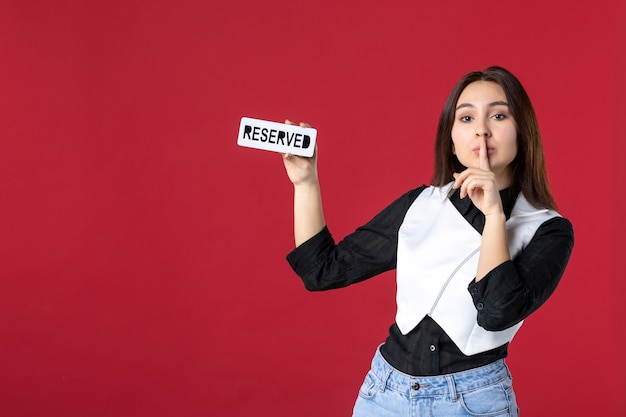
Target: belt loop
x: 452, y: 386
x: 385, y: 379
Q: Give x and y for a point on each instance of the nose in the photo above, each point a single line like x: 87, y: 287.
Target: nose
x: 482, y: 130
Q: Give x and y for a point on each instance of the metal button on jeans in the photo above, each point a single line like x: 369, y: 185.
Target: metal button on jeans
x: 432, y: 348
x: 415, y: 386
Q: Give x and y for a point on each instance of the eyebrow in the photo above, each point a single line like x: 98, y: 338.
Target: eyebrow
x: 492, y: 104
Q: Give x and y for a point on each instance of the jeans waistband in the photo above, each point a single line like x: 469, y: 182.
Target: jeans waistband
x: 440, y: 385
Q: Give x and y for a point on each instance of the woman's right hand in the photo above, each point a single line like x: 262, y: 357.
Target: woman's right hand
x: 301, y: 170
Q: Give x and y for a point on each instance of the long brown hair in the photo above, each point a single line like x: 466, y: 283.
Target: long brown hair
x: 529, y: 168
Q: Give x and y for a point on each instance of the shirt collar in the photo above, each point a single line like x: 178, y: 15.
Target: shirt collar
x: 507, y: 195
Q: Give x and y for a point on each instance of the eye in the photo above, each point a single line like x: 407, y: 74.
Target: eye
x: 499, y: 116
x: 465, y: 119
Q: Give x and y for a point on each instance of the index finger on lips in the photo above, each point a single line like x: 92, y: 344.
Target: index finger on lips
x: 483, y: 160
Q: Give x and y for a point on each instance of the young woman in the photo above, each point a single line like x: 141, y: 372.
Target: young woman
x: 475, y: 253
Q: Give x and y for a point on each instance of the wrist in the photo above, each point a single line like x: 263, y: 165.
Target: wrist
x: 306, y: 185
x: 495, y: 216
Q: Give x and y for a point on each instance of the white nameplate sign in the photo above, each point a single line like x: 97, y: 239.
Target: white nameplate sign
x: 276, y: 137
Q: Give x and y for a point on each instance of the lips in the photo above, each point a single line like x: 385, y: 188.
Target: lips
x: 490, y: 150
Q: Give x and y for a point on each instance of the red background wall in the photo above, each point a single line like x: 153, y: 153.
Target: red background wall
x: 142, y: 251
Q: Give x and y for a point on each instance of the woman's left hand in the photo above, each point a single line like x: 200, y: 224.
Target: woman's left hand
x: 480, y: 185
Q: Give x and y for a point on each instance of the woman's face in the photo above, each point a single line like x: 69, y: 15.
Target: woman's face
x: 483, y: 118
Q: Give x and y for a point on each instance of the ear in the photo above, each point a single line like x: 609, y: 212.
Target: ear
x: 453, y: 149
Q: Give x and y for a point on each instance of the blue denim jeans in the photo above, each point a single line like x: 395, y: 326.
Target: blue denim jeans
x: 486, y: 391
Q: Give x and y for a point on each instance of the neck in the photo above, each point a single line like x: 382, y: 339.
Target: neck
x: 504, y: 179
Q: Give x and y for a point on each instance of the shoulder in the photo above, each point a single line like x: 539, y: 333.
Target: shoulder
x: 555, y: 232
x: 393, y: 214
x: 557, y: 224
x: 405, y: 200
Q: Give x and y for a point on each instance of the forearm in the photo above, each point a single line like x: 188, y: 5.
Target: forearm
x: 494, y: 248
x: 308, y: 214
